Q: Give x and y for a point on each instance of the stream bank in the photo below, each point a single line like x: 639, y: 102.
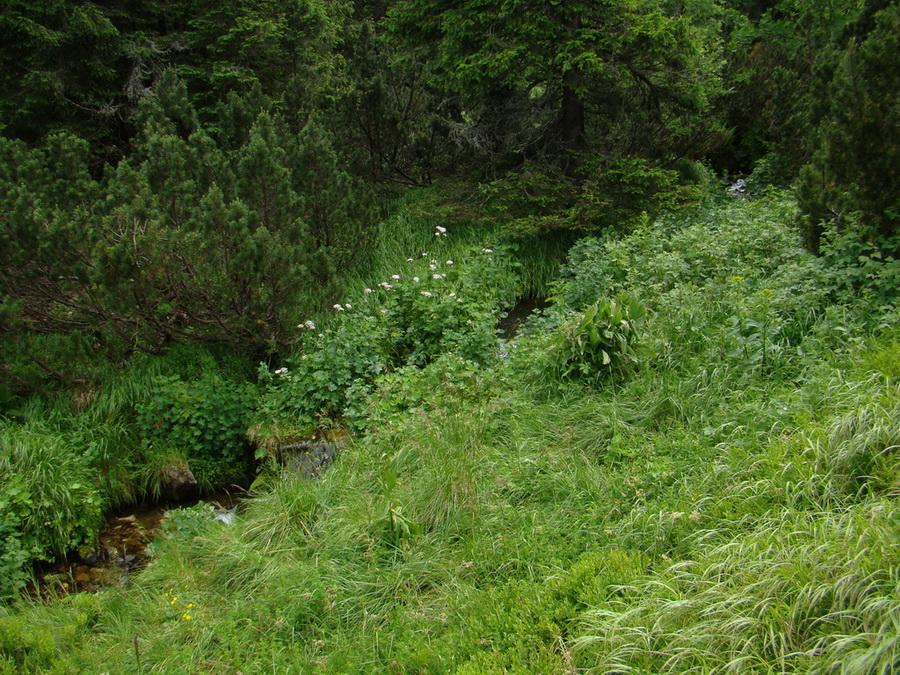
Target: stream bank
x: 121, y: 549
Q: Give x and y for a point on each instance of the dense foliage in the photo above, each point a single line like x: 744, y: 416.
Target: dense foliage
x: 177, y: 172
x: 726, y: 493
x: 229, y: 231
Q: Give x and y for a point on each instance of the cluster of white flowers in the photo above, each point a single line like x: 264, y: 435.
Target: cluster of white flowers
x: 307, y: 324
x: 437, y: 276
x: 282, y: 372
x: 339, y: 308
x: 426, y: 294
x: 416, y: 279
x: 449, y: 262
x: 395, y: 276
x: 440, y: 231
x: 369, y: 290
x: 385, y: 285
x: 487, y: 250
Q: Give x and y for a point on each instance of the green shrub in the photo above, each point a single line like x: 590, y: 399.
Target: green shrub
x: 189, y: 522
x: 205, y: 420
x: 431, y: 308
x: 449, y: 381
x: 751, y: 239
x: 597, y: 342
x: 857, y: 265
x: 48, y: 505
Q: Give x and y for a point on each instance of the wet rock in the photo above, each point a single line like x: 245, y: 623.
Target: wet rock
x: 738, y: 188
x: 179, y: 484
x: 97, y: 558
x: 226, y: 516
x: 310, y: 458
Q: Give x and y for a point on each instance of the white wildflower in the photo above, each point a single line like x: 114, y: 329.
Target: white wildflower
x: 309, y: 324
x: 426, y: 294
x: 395, y: 276
x: 437, y: 276
x: 369, y: 290
x: 348, y: 306
x: 449, y: 262
x: 416, y: 279
x: 339, y: 308
x: 487, y: 250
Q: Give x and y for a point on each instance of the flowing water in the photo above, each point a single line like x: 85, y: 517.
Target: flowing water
x: 516, y: 316
x: 121, y: 548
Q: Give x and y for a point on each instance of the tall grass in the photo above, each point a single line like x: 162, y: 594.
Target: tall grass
x: 713, y: 510
x: 802, y: 592
x: 48, y: 502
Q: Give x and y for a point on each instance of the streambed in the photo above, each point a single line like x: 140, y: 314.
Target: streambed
x: 121, y: 548
x: 509, y: 325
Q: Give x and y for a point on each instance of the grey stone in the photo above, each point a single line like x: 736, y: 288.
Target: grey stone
x: 179, y: 484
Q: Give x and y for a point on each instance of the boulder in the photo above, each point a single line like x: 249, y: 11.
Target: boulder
x: 179, y: 484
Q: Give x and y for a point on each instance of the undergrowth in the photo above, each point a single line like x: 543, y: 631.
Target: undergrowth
x: 725, y: 501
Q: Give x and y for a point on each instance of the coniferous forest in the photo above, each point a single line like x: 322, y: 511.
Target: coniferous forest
x: 519, y: 337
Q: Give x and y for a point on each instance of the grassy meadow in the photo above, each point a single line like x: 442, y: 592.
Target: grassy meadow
x: 686, y: 464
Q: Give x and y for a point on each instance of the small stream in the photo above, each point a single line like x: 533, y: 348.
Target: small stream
x: 515, y: 317
x: 121, y: 548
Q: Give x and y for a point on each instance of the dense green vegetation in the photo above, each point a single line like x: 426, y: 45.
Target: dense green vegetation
x: 709, y: 486
x: 226, y: 230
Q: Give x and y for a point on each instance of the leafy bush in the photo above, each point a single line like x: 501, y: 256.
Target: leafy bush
x: 598, y: 341
x: 434, y: 307
x: 447, y: 381
x: 715, y: 242
x: 857, y: 265
x: 205, y: 419
x: 189, y: 522
x: 48, y: 505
